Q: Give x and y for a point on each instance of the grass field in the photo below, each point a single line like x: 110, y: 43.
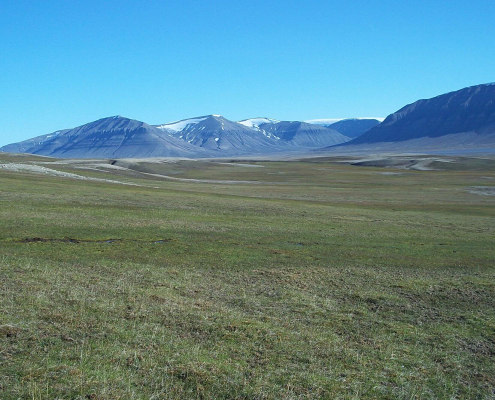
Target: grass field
x: 247, y: 280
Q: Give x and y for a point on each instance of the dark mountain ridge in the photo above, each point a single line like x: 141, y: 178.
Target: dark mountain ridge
x: 468, y: 110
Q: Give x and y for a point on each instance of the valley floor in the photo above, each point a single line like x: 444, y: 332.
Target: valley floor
x: 319, y: 278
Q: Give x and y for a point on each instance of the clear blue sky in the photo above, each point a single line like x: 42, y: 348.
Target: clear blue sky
x: 68, y: 62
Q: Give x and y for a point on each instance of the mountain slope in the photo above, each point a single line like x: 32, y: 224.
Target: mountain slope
x: 302, y: 135
x: 174, y: 127
x: 354, y: 127
x: 255, y: 123
x: 214, y: 132
x: 469, y: 111
x: 32, y: 144
x: 108, y: 137
x: 255, y: 135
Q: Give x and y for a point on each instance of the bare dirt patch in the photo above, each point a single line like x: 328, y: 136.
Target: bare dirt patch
x: 483, y: 190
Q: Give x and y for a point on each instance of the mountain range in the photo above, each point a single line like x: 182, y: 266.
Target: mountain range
x: 205, y: 136
x: 461, y: 120
x: 116, y: 137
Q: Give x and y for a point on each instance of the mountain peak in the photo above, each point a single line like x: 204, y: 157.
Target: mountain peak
x: 468, y: 111
x: 109, y: 137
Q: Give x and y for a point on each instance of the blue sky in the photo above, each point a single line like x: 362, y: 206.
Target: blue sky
x: 65, y: 63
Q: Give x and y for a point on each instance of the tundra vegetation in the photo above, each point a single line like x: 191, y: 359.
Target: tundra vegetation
x: 247, y: 279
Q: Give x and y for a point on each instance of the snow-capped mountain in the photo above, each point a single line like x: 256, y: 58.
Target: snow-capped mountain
x: 217, y: 133
x: 205, y: 136
x: 108, y: 137
x: 178, y: 126
x: 255, y: 123
x: 254, y: 135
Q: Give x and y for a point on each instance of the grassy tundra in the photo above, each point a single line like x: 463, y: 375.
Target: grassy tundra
x: 288, y: 280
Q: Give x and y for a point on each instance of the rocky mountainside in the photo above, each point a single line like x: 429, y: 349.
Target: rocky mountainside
x: 252, y: 136
x: 468, y: 112
x: 205, y: 136
x: 290, y: 134
x: 354, y: 127
x: 214, y: 132
x: 110, y: 137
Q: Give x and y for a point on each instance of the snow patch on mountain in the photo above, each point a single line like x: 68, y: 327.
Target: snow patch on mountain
x: 330, y: 121
x: 254, y: 123
x: 180, y: 125
x: 323, y: 121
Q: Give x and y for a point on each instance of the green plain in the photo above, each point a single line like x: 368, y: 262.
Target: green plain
x: 312, y: 279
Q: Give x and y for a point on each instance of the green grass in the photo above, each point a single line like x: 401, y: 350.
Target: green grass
x: 322, y: 280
